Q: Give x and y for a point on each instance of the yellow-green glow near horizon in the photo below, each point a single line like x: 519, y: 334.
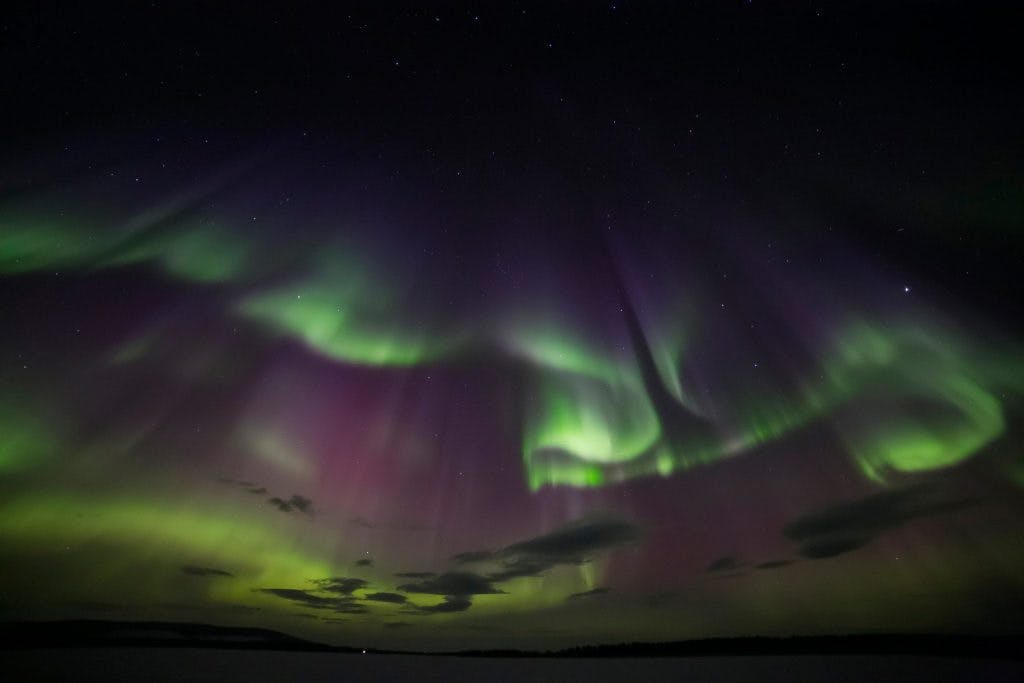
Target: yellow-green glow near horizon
x: 176, y: 531
x: 260, y: 548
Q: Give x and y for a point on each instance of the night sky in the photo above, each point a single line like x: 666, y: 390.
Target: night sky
x: 513, y: 325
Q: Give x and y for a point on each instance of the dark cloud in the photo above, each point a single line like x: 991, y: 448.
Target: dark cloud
x: 365, y: 562
x: 396, y: 624
x: 204, y: 571
x: 843, y: 528
x: 340, y: 584
x: 282, y: 505
x: 344, y: 605
x: 334, y: 620
x: 577, y: 540
x: 452, y: 603
x: 452, y: 584
x: 396, y: 598
x: 586, y: 594
x: 473, y: 556
x: 416, y: 575
x: 774, y: 564
x: 360, y: 522
x: 723, y: 564
x: 572, y: 544
x: 300, y: 596
x: 528, y: 566
x: 296, y: 502
x: 820, y: 548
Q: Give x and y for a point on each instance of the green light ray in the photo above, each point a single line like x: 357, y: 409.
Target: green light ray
x: 203, y: 253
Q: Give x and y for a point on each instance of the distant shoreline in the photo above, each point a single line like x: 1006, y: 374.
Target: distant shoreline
x: 100, y: 634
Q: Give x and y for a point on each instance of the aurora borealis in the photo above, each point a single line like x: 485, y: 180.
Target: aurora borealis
x: 530, y: 328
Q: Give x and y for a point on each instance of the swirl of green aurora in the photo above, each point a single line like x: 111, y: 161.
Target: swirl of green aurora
x: 274, y: 420
x: 532, y: 327
x: 905, y: 400
x: 903, y: 397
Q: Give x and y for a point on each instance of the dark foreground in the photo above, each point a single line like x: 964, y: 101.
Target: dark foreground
x: 187, y: 664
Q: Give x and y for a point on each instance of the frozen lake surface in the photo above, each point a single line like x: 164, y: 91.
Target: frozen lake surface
x: 172, y: 664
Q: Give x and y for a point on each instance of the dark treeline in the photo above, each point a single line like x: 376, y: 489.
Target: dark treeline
x: 90, y: 633
x: 1003, y: 647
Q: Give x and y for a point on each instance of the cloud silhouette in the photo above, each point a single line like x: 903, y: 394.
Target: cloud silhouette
x: 396, y: 598
x: 296, y: 502
x: 773, y: 564
x: 456, y: 587
x: 452, y: 584
x: 571, y: 544
x: 365, y: 562
x: 350, y: 608
x: 344, y: 605
x: 527, y: 566
x: 204, y: 571
x: 849, y: 526
x: 724, y: 564
x: 589, y: 593
x: 577, y: 540
x: 340, y: 584
x: 452, y: 603
x: 282, y: 505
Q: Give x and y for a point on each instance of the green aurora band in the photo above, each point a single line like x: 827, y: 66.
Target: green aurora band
x: 903, y: 398
x: 345, y: 314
